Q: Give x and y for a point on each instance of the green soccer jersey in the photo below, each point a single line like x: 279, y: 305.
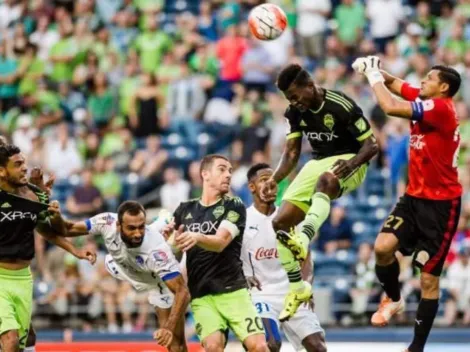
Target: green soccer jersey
x: 211, y: 272
x: 337, y: 127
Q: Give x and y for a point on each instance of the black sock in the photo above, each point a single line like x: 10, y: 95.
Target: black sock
x: 427, y: 310
x: 388, y: 278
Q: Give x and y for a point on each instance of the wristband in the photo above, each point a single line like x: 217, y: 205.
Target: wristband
x: 374, y: 77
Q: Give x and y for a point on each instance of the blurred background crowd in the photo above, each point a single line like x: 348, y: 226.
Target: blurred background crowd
x: 120, y: 98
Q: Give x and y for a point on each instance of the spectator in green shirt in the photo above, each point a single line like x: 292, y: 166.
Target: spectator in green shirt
x: 151, y: 45
x: 128, y: 86
x: 32, y: 68
x: 107, y: 181
x: 457, y: 43
x: 101, y: 103
x: 62, y: 54
x: 351, y: 19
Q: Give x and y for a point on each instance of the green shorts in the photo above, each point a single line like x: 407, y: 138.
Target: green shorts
x: 301, y: 190
x: 232, y: 310
x: 16, y: 302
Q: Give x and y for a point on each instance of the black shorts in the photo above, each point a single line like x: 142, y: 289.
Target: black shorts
x: 424, y: 229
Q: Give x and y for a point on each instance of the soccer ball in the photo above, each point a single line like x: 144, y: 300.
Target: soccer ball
x: 267, y: 21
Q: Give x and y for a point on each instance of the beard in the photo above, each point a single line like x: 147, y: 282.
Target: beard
x: 129, y: 243
x: 15, y: 182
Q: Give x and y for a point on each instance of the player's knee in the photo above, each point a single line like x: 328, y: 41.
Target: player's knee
x: 328, y: 183
x: 213, y: 346
x: 10, y: 341
x: 315, y: 343
x: 280, y: 224
x: 274, y: 346
x: 429, y: 284
x: 261, y: 346
x: 384, y: 248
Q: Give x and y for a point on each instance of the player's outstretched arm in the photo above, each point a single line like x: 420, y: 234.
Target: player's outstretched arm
x: 182, y: 297
x: 67, y: 246
x: 370, y: 67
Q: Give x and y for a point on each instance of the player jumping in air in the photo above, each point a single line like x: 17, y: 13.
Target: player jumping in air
x: 140, y: 255
x: 342, y: 144
x: 23, y: 209
x: 425, y: 219
x: 267, y: 278
x: 212, y: 239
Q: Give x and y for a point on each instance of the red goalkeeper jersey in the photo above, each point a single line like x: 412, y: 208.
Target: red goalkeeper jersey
x: 434, y: 147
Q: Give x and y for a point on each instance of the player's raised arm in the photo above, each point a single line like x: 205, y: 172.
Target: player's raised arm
x: 440, y: 83
x: 393, y: 84
x: 231, y: 226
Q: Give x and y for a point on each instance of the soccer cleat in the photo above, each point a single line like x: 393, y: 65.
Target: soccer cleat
x: 387, y: 309
x: 294, y: 299
x: 293, y: 241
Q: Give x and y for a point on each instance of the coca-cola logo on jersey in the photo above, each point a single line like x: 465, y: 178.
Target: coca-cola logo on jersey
x: 268, y: 253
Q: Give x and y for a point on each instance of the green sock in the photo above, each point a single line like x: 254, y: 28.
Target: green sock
x: 316, y: 216
x: 291, y: 266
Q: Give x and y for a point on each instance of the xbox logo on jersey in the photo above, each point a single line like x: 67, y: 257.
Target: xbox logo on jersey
x: 204, y: 227
x: 322, y: 136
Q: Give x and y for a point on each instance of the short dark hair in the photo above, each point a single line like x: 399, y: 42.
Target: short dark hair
x: 450, y: 76
x: 6, y: 152
x: 130, y: 207
x: 292, y: 74
x: 208, y: 160
x: 254, y: 170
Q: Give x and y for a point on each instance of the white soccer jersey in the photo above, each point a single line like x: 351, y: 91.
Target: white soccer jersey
x: 146, y: 267
x: 260, y: 256
x: 260, y: 259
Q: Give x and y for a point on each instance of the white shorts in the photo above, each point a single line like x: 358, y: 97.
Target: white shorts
x: 302, y: 324
x: 158, y: 294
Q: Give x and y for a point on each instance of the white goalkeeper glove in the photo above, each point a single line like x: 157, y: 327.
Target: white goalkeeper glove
x: 370, y: 67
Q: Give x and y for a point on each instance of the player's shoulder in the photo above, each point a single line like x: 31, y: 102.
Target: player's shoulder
x: 103, y: 219
x: 337, y: 98
x: 186, y: 205
x: 234, y: 201
x: 292, y: 113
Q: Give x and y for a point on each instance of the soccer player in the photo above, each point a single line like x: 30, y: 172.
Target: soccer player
x: 212, y: 239
x: 22, y: 210
x: 267, y: 278
x: 342, y: 144
x: 425, y: 219
x: 140, y: 255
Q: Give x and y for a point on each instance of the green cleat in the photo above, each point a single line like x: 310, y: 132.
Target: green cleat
x: 293, y: 241
x: 293, y: 301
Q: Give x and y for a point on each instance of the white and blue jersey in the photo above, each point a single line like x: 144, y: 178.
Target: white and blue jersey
x: 146, y: 267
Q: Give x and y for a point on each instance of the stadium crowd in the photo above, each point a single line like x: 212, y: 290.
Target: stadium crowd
x: 120, y: 98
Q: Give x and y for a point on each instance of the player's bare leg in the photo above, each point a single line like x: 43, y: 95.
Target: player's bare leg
x: 315, y: 342
x: 274, y: 340
x: 215, y: 342
x: 178, y: 343
x: 9, y: 341
x: 256, y: 343
x: 387, y: 270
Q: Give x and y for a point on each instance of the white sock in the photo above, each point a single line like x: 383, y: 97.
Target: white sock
x: 30, y: 349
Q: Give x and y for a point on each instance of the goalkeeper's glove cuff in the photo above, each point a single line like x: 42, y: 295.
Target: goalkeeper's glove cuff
x: 374, y: 77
